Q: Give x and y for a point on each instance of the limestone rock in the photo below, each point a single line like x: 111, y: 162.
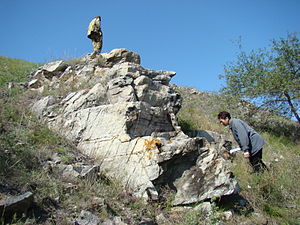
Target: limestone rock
x: 120, y: 56
x: 114, y: 221
x: 209, y: 178
x: 227, y: 215
x: 35, y: 83
x: 126, y: 118
x: 18, y: 205
x: 49, y: 70
x: 87, y: 218
x: 205, y: 207
x: 147, y: 221
x: 72, y: 173
x: 161, y: 219
x: 65, y: 171
x: 40, y: 107
x: 55, y: 66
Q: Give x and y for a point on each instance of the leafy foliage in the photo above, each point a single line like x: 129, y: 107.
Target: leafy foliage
x: 275, y: 193
x: 200, y: 109
x: 268, y: 78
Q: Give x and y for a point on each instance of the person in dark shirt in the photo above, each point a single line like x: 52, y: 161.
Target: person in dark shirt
x: 250, y: 142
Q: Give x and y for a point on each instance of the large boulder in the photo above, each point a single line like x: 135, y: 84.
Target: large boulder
x: 120, y: 56
x: 126, y: 119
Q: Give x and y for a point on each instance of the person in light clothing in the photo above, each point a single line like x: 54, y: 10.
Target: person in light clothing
x: 250, y: 142
x: 95, y: 34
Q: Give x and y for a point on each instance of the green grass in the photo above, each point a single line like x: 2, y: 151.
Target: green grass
x: 15, y: 70
x: 275, y: 194
x: 25, y: 144
x: 200, y: 110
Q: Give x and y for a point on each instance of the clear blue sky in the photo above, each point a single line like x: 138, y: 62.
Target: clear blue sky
x: 192, y: 37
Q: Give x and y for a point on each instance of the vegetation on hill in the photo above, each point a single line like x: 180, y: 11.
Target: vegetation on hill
x: 274, y: 193
x: 269, y: 78
x: 25, y: 144
x: 14, y: 70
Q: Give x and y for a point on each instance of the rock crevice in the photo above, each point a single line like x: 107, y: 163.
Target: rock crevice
x: 125, y: 116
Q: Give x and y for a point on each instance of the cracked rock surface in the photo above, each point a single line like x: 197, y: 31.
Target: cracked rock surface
x: 124, y: 116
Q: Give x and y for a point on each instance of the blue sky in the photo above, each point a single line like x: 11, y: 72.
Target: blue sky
x: 192, y: 37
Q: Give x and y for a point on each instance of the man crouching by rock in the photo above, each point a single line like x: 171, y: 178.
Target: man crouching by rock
x: 95, y: 34
x: 247, y: 138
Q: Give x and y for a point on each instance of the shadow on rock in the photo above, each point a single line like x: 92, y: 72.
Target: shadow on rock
x: 235, y: 202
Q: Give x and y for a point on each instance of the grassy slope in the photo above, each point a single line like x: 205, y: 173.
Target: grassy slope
x: 14, y: 70
x: 276, y: 193
x: 25, y: 143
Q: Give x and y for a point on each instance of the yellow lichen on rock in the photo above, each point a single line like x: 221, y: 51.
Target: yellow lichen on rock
x: 152, y: 147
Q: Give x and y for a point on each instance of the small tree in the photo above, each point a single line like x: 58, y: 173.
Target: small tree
x: 268, y: 78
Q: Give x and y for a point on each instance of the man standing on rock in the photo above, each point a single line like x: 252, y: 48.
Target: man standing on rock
x: 95, y: 34
x: 247, y: 138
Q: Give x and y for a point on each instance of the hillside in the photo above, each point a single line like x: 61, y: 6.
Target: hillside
x: 26, y: 144
x: 200, y: 110
x: 14, y: 70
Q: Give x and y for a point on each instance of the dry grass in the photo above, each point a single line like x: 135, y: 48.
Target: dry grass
x: 25, y: 143
x: 275, y: 194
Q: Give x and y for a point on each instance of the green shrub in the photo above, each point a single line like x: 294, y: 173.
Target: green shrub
x: 276, y: 192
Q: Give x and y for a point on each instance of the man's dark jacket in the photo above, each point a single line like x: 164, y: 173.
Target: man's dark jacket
x: 247, y: 138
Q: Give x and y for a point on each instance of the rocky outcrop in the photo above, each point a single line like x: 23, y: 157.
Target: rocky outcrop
x: 124, y: 116
x: 16, y: 205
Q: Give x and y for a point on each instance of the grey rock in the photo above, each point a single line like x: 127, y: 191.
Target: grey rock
x: 35, y: 83
x: 18, y: 205
x: 227, y: 215
x: 202, y: 133
x: 87, y: 218
x: 55, y: 158
x: 66, y: 171
x: 50, y: 70
x: 86, y: 72
x: 115, y: 221
x: 161, y: 219
x: 142, y: 80
x: 147, y: 221
x: 41, y: 107
x: 120, y: 56
x: 260, y: 218
x: 197, y: 172
x: 209, y: 178
x: 127, y: 120
x: 205, y: 207
x: 72, y: 173
x: 55, y: 66
x: 90, y: 172
x: 98, y: 201
x: 70, y: 188
x: 242, y: 203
